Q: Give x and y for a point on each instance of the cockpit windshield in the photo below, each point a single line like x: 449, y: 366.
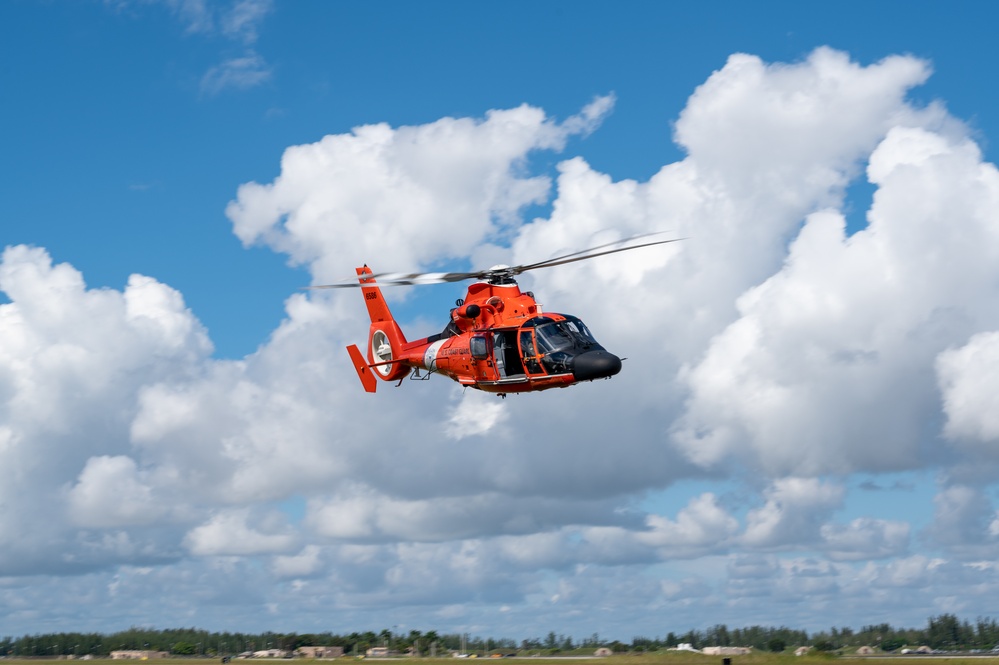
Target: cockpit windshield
x: 555, y: 336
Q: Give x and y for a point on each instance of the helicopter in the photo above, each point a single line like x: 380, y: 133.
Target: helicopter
x: 498, y: 339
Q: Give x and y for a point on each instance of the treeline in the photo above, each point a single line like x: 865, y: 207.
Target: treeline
x: 945, y: 632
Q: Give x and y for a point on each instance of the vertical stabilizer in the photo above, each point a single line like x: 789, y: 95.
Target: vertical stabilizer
x: 378, y: 309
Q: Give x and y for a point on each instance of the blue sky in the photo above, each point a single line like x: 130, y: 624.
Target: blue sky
x: 794, y: 399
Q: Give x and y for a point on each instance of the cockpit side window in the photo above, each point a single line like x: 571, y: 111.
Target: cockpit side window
x: 478, y: 347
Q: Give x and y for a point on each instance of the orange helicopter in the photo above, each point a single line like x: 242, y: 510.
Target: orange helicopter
x: 498, y: 339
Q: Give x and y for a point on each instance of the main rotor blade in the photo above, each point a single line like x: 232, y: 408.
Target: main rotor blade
x: 562, y: 260
x: 400, y: 279
x: 589, y: 253
x: 421, y: 278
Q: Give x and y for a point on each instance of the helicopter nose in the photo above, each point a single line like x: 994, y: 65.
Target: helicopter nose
x: 595, y: 365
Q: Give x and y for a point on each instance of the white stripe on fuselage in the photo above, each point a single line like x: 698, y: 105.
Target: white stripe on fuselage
x: 430, y: 355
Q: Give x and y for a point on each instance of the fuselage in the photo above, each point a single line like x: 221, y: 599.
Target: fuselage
x: 500, y: 341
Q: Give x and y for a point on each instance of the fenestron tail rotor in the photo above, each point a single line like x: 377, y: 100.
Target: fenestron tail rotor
x: 500, y: 274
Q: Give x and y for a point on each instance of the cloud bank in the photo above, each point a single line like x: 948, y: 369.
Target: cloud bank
x: 772, y: 355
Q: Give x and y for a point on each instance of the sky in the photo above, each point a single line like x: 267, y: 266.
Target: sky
x: 805, y: 431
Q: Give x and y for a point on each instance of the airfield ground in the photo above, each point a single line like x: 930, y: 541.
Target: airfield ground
x: 671, y: 658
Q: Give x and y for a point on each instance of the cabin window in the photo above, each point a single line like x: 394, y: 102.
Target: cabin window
x: 478, y: 348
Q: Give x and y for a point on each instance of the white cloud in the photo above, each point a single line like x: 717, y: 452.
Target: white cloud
x: 230, y: 533
x: 703, y: 526
x: 475, y: 414
x: 969, y: 383
x: 838, y: 349
x: 364, y: 515
x: 793, y: 514
x: 111, y: 493
x: 754, y: 124
x: 307, y: 563
x: 71, y: 363
x: 865, y: 538
x: 241, y: 73
x: 372, y: 195
x: 963, y: 523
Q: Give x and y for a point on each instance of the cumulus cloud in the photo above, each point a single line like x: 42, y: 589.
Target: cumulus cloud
x: 307, y: 563
x: 964, y: 523
x: 71, y: 363
x: 700, y: 527
x: 839, y: 348
x: 230, y: 533
x: 865, y: 538
x: 474, y: 414
x: 967, y: 377
x: 373, y: 194
x: 793, y: 514
x: 364, y: 516
x: 111, y: 493
x: 770, y: 352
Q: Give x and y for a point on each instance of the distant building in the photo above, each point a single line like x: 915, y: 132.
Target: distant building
x: 270, y: 653
x: 865, y: 651
x: 137, y: 654
x: 685, y: 646
x: 319, y: 652
x: 726, y: 651
x: 377, y: 652
x: 801, y: 651
x: 603, y: 652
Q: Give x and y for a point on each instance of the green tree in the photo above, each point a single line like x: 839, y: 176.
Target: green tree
x: 947, y: 632
x: 719, y: 636
x: 892, y: 643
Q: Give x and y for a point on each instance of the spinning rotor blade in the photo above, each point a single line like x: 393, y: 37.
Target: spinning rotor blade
x: 592, y: 253
x: 402, y: 279
x: 418, y: 278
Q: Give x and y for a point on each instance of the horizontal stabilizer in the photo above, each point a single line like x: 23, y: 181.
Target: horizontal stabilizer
x: 364, y: 372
